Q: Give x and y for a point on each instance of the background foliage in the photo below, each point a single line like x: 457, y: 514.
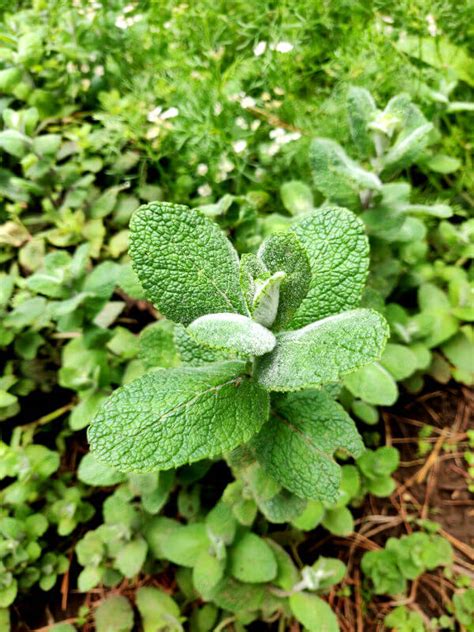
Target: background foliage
x: 105, y: 106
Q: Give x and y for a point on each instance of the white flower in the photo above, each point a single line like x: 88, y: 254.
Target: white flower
x: 154, y: 115
x: 279, y: 91
x: 239, y: 146
x: 283, y: 47
x: 248, y: 102
x: 99, y: 71
x: 241, y: 122
x: 170, y: 113
x: 259, y: 49
x: 281, y: 137
x: 153, y: 132
x: 121, y: 22
x: 226, y: 165
x: 128, y: 8
x: 272, y: 149
x: 277, y: 132
x: 204, y: 190
x: 288, y: 138
x: 255, y: 125
x: 432, y: 28
x: 217, y: 109
x: 202, y: 169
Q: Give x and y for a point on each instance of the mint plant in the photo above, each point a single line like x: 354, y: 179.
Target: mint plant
x: 403, y: 559
x: 286, y: 321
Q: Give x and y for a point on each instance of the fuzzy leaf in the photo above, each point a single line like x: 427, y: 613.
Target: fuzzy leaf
x: 297, y: 197
x: 158, y: 610
x: 313, y: 612
x: 324, y: 351
x: 131, y: 557
x: 186, y: 265
x: 157, y: 347
x: 338, y: 252
x: 170, y: 417
x: 185, y: 543
x: 97, y: 474
x: 362, y: 109
x: 267, y: 298
x: 336, y: 175
x: 232, y: 332
x: 285, y: 253
x: 407, y: 149
x: 373, y: 384
x: 296, y: 446
x: 192, y: 353
x: 115, y: 614
x: 252, y: 560
x: 251, y: 269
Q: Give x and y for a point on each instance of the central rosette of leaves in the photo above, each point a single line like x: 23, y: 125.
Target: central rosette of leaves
x: 281, y: 320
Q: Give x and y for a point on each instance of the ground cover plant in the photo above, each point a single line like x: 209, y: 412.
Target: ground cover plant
x: 275, y: 364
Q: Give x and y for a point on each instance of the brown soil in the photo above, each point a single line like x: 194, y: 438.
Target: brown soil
x: 430, y: 487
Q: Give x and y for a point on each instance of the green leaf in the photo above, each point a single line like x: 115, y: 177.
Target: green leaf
x: 207, y: 573
x: 185, y: 263
x: 252, y: 561
x: 339, y: 521
x: 8, y: 593
x: 233, y: 333
x: 313, y: 612
x: 285, y: 253
x: 156, y: 532
x: 14, y: 142
x: 373, y: 384
x: 83, y: 413
x: 89, y: 578
x: 441, y: 163
x: 460, y: 352
x: 131, y: 557
x: 287, y: 575
x: 440, y: 53
x: 221, y: 523
x: 324, y: 573
x: 323, y: 352
x: 251, y: 269
x: 401, y: 619
x: 193, y: 353
x: 157, y: 610
x: 399, y: 361
x: 157, y: 346
x: 115, y: 614
x: 170, y: 417
x: 267, y: 298
x: 296, y: 446
x: 407, y: 149
x: 379, y: 463
x: 297, y: 197
x: 338, y: 252
x: 184, y: 544
x: 337, y: 176
x: 97, y: 474
x: 237, y: 597
x: 362, y: 109
x: 310, y: 517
